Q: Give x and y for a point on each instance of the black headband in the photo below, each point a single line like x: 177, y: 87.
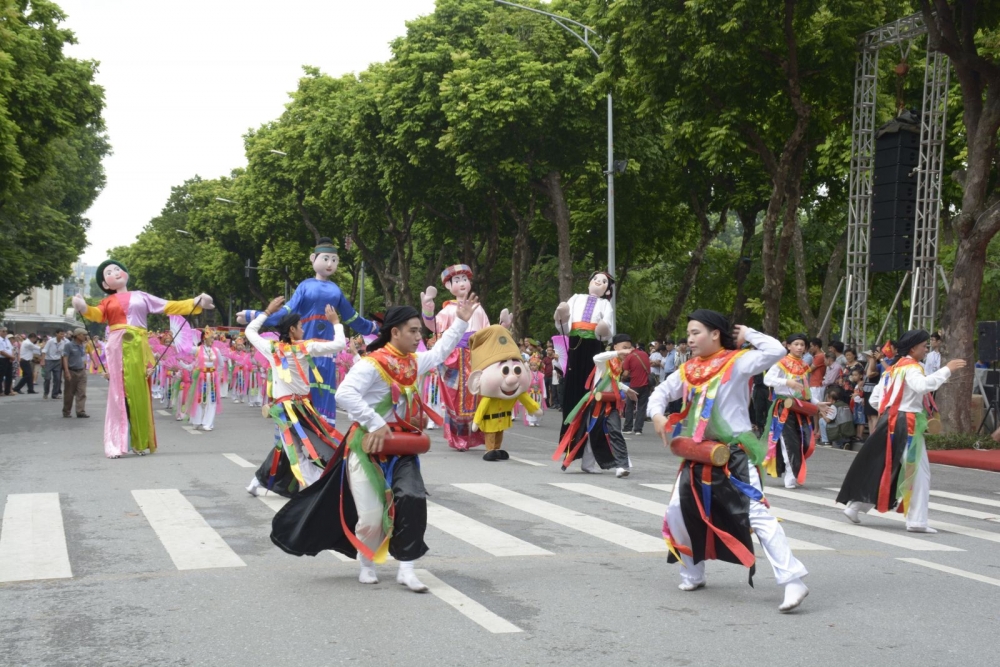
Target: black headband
x: 911, y: 339
x: 394, y: 317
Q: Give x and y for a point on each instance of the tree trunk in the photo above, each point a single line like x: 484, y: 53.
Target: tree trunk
x: 954, y: 399
x: 777, y: 245
x: 834, y: 270
x: 748, y: 218
x: 559, y: 213
x: 801, y: 283
x: 708, y: 234
x: 518, y: 266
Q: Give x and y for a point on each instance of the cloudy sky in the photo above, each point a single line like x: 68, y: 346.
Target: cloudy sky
x: 185, y: 79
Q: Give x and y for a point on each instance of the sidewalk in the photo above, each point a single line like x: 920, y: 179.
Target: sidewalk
x: 988, y: 459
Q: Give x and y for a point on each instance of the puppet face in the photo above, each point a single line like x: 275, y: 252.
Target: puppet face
x: 459, y: 286
x: 325, y: 264
x: 504, y: 379
x: 114, y: 279
x: 598, y: 285
x: 797, y: 348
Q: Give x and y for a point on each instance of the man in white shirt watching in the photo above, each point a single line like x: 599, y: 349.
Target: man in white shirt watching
x: 29, y: 350
x: 52, y: 371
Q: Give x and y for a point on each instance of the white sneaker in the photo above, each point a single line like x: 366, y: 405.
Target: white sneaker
x: 791, y: 484
x: 921, y: 529
x: 852, y: 514
x: 795, y: 593
x: 686, y: 586
x: 621, y: 472
x: 254, y: 488
x: 592, y: 471
x: 368, y: 574
x: 207, y: 428
x: 407, y: 577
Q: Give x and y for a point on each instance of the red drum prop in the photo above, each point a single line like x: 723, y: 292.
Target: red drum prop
x: 708, y: 452
x: 405, y: 444
x: 605, y: 397
x: 801, y: 407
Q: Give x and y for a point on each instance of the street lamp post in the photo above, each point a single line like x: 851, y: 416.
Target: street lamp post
x: 565, y: 23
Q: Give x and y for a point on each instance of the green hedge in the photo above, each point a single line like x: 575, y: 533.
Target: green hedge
x: 960, y: 441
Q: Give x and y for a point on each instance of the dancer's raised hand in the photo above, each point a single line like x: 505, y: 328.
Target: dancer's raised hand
x: 275, y: 305
x: 467, y: 307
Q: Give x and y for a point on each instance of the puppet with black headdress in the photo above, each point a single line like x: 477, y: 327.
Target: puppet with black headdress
x: 790, y: 439
x: 717, y: 498
x: 371, y: 498
x: 587, y: 320
x: 892, y: 468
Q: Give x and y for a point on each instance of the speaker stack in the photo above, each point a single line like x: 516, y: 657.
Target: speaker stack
x: 894, y: 205
x: 988, y: 335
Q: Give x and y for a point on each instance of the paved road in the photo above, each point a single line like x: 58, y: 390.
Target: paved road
x: 165, y: 560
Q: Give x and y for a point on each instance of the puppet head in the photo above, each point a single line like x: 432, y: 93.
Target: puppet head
x: 497, y: 368
x: 458, y: 280
x: 324, y: 258
x: 112, y: 276
x: 602, y: 285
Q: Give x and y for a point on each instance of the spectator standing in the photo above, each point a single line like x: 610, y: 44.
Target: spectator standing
x: 557, y: 380
x: 74, y: 366
x: 852, y: 362
x: 547, y: 360
x: 683, y: 354
x: 29, y: 353
x: 6, y: 363
x: 636, y: 364
x: 932, y: 362
x: 656, y: 360
x: 817, y: 369
x: 52, y: 353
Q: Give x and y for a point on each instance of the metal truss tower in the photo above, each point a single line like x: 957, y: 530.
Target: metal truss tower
x: 932, y: 129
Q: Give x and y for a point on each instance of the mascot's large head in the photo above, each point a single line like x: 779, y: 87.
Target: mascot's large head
x: 112, y: 276
x: 324, y: 258
x: 458, y: 280
x: 498, y: 371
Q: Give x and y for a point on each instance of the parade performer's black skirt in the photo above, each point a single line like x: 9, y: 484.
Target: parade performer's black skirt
x: 864, y: 477
x: 729, y: 512
x: 283, y: 481
x: 580, y: 364
x: 796, y: 426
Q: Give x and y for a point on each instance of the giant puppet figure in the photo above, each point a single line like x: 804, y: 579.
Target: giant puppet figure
x: 310, y: 300
x: 587, y: 320
x: 460, y: 403
x: 129, y: 419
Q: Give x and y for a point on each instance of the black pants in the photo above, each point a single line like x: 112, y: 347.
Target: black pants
x: 635, y: 411
x: 27, y: 377
x: 6, y: 374
x: 549, y: 398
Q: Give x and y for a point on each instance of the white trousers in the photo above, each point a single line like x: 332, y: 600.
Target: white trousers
x: 368, y: 504
x: 204, y: 415
x: 767, y: 529
x: 916, y: 514
x: 789, y: 476
x: 223, y: 390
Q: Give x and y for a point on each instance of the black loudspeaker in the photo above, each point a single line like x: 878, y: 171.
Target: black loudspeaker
x: 894, y: 197
x: 988, y: 334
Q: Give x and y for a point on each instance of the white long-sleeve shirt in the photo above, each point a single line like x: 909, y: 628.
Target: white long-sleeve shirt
x: 314, y: 348
x: 603, y: 311
x: 914, y: 387
x: 932, y: 362
x: 777, y: 379
x: 363, y: 386
x: 734, y: 395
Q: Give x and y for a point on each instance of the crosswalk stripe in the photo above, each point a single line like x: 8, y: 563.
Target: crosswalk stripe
x: 192, y: 430
x: 32, y: 541
x: 239, y: 460
x: 466, y: 605
x: 165, y: 413
x: 891, y: 516
x: 952, y: 570
x: 187, y: 537
x: 480, y: 535
x: 851, y: 529
x: 276, y: 502
x: 605, y: 530
x: 659, y: 509
x: 951, y: 509
x: 527, y: 462
x: 968, y: 499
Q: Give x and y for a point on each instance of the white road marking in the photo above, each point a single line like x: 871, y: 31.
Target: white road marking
x: 890, y: 516
x: 187, y: 537
x: 952, y: 570
x: 32, y: 541
x: 527, y: 462
x: 851, y: 529
x: 480, y: 535
x: 951, y: 509
x: 276, y: 502
x: 659, y: 509
x: 605, y: 530
x: 466, y: 605
x: 239, y: 460
x: 165, y: 413
x: 192, y: 430
x: 968, y: 499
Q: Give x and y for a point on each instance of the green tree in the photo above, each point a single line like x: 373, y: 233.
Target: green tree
x: 51, y: 144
